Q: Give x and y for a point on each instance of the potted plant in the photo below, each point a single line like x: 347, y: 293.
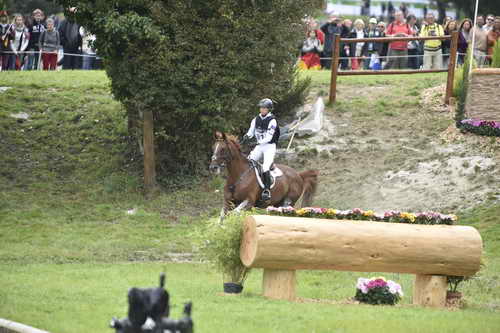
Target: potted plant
x: 220, y: 245
x: 452, y: 294
x: 378, y: 290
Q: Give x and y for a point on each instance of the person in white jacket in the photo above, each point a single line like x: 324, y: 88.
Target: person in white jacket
x: 265, y: 129
x: 19, y: 38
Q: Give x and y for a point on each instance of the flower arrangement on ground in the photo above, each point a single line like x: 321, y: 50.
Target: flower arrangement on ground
x: 365, y: 215
x: 378, y: 290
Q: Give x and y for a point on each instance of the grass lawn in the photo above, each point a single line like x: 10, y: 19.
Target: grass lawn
x: 69, y: 250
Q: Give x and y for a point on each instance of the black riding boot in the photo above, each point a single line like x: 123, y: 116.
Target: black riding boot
x: 266, y: 193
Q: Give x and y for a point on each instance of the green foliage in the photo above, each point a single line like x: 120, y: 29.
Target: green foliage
x: 454, y: 281
x: 461, y: 85
x: 219, y: 243
x: 27, y: 6
x: 495, y: 60
x: 199, y: 66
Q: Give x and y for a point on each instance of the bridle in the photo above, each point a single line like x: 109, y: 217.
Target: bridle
x: 226, y: 158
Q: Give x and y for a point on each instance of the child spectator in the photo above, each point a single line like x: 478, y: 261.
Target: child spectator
x: 4, y: 40
x: 19, y: 39
x: 464, y: 38
x: 358, y: 50
x: 35, y: 30
x: 311, y: 50
x: 433, y: 54
x: 49, y: 44
x: 493, y: 37
x: 398, y: 50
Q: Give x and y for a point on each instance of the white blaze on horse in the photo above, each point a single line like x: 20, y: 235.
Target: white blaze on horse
x: 242, y: 189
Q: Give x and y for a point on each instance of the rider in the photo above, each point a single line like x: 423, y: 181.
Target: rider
x: 265, y: 129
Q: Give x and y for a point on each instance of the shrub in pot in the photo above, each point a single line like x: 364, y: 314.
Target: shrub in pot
x: 219, y: 243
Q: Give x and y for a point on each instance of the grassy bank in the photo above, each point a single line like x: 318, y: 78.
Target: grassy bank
x: 76, y: 231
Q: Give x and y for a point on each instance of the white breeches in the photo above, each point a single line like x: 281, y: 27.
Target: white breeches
x: 266, y: 152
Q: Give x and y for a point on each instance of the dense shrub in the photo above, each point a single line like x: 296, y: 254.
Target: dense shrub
x: 197, y: 65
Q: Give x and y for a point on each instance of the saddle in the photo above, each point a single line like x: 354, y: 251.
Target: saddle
x: 275, y: 173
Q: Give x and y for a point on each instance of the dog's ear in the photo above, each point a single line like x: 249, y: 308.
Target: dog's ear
x: 162, y: 280
x: 115, y: 323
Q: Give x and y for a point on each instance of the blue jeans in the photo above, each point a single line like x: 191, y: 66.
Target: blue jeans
x: 88, y: 62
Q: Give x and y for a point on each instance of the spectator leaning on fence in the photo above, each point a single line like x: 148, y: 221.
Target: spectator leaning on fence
x: 49, y: 44
x: 493, y: 37
x: 464, y: 38
x: 35, y: 30
x: 433, y: 54
x: 480, y: 42
x: 398, y: 50
x: 19, y: 39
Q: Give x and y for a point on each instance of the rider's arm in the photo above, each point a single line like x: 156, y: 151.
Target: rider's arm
x: 270, y: 132
x: 251, y: 131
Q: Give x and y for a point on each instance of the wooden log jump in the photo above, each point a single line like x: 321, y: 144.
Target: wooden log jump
x: 281, y: 245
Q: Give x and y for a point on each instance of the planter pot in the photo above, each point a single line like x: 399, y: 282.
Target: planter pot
x: 451, y: 296
x: 232, y: 288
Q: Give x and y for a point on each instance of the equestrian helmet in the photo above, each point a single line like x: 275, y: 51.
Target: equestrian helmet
x: 266, y: 103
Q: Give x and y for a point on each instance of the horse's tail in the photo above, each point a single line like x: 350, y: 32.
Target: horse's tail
x: 310, y: 178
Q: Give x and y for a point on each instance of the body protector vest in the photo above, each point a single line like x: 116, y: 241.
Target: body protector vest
x: 262, y: 126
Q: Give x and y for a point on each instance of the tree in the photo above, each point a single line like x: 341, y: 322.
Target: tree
x: 197, y: 65
x: 467, y: 7
x: 27, y: 6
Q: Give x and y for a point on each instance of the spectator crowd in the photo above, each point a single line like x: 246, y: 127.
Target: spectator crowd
x: 39, y: 42
x: 317, y: 49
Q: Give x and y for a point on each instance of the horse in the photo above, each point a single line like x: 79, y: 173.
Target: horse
x: 242, y: 189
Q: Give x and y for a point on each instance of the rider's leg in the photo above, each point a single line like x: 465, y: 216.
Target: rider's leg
x: 256, y: 154
x: 269, y: 151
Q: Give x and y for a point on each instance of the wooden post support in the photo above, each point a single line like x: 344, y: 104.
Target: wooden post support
x: 451, y: 66
x: 279, y: 284
x: 334, y: 69
x: 149, y: 152
x: 430, y: 290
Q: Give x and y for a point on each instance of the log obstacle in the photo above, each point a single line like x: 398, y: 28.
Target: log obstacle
x: 282, y: 245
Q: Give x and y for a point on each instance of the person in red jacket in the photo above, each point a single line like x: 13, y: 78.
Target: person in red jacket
x: 398, y: 50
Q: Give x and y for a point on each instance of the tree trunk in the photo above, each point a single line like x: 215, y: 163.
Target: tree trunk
x: 149, y: 153
x: 290, y: 243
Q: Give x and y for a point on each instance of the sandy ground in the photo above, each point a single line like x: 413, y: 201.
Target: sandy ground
x: 404, y: 163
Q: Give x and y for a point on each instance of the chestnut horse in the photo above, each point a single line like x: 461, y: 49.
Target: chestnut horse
x: 242, y: 190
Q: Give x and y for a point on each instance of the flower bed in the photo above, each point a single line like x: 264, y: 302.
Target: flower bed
x: 481, y: 127
x: 378, y: 290
x: 362, y: 215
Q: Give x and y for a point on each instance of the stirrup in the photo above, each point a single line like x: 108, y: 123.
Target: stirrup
x: 266, y: 195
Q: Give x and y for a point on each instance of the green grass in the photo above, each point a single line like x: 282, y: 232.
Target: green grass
x: 69, y: 251
x: 84, y: 297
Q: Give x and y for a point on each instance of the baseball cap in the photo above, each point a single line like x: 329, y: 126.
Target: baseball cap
x: 373, y: 20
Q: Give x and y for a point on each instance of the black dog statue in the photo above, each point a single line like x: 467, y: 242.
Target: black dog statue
x: 153, y: 304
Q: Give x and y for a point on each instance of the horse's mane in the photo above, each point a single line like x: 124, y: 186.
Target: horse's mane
x: 234, y: 140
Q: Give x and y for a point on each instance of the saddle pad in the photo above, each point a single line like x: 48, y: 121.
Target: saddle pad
x: 275, y: 173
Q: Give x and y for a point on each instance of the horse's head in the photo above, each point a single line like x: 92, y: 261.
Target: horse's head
x: 224, y: 150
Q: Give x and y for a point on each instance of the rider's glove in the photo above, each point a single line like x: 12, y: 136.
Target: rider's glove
x: 245, y: 139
